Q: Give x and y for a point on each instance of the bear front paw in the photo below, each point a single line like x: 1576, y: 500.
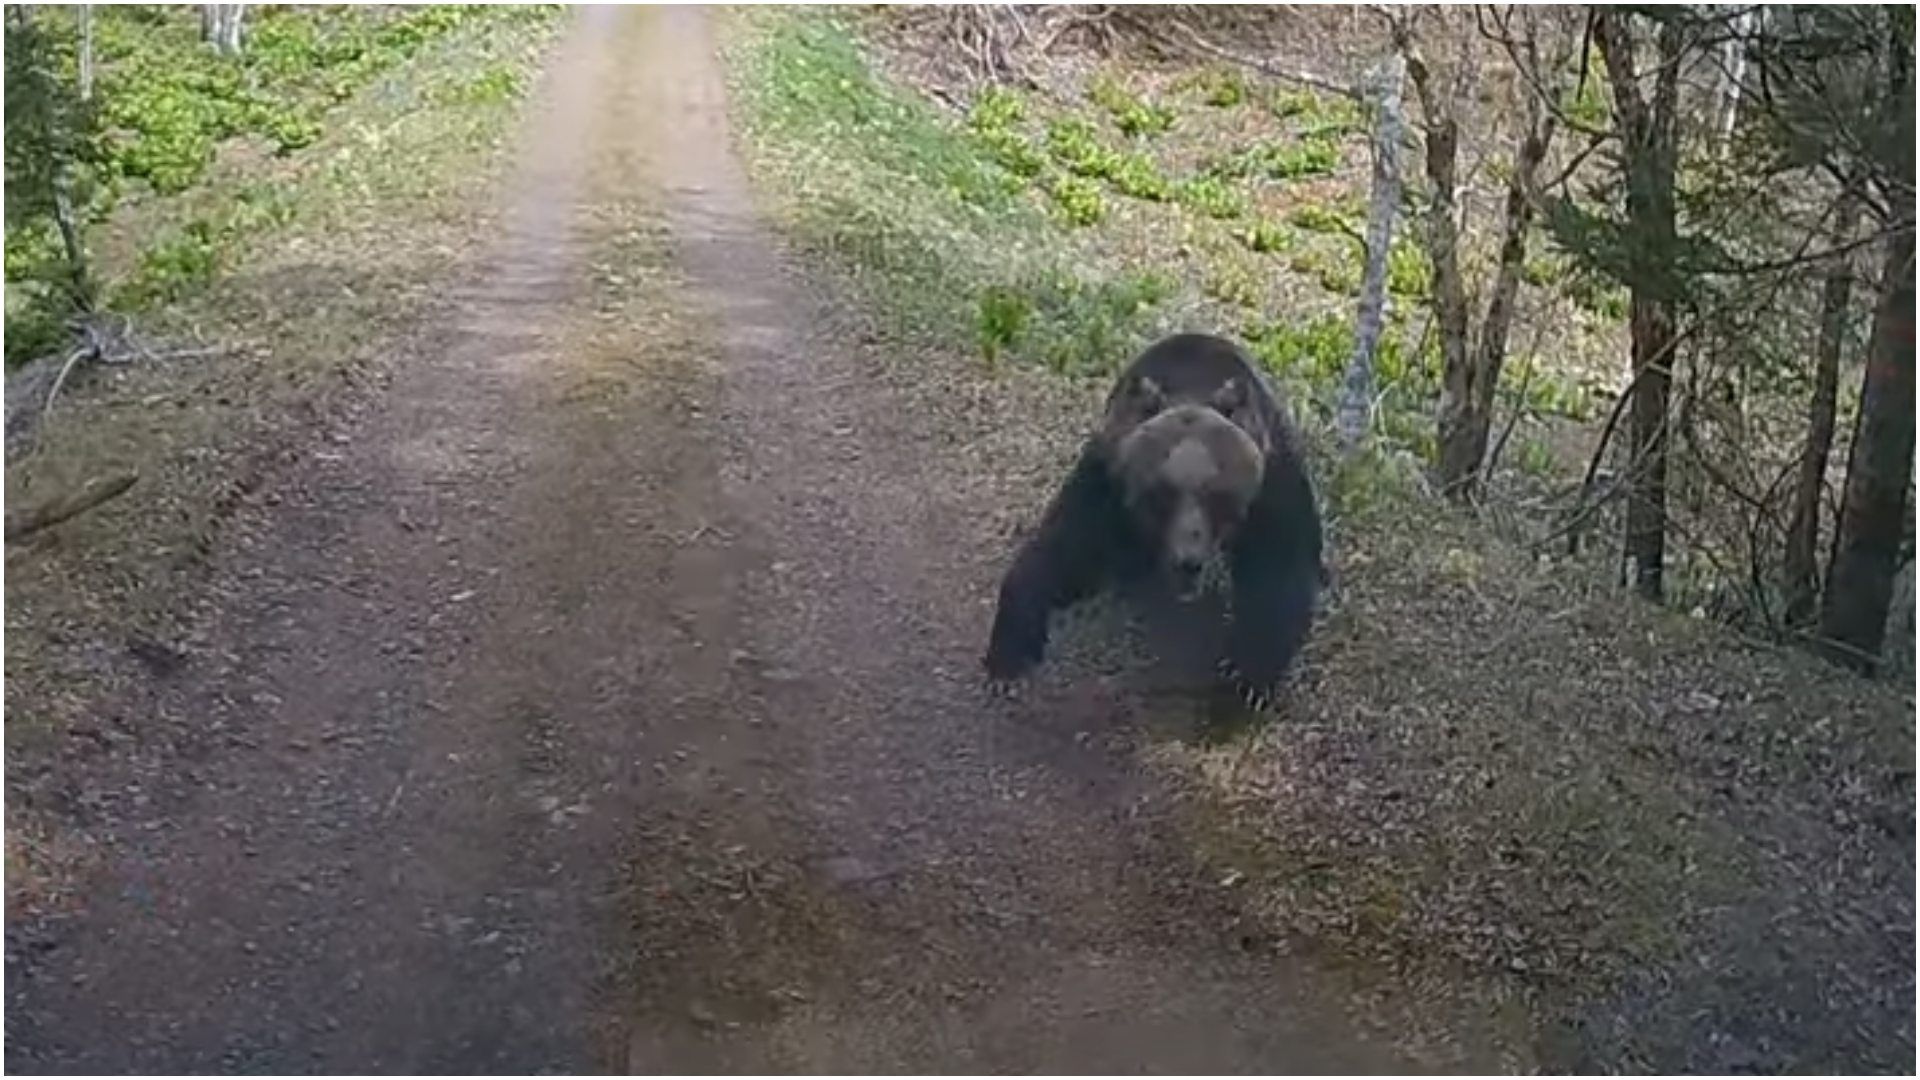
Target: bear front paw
x: 1009, y: 657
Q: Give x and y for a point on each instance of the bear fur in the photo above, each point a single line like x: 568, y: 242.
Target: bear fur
x: 1194, y: 460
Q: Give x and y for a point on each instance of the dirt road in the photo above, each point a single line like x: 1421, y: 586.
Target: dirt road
x: 605, y: 697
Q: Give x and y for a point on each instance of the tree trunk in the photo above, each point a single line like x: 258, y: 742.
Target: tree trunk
x: 220, y: 26
x: 1648, y: 130
x: 1801, y: 571
x: 1490, y: 354
x: 1866, y: 550
x: 86, y: 52
x: 1449, y: 288
x: 1470, y: 378
x: 65, y: 217
x: 230, y: 41
x: 1867, y: 540
x: 1734, y: 63
x: 1356, y: 393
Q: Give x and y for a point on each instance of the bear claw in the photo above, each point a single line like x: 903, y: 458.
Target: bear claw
x: 1252, y: 696
x: 1001, y: 689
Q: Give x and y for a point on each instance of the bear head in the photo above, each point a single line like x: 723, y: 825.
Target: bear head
x: 1188, y: 467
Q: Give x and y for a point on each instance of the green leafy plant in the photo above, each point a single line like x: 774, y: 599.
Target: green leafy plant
x: 1276, y: 161
x: 1069, y: 323
x: 1332, y: 119
x: 1074, y: 143
x: 1535, y: 458
x: 1134, y: 116
x: 1542, y: 271
x: 176, y: 266
x: 1336, y: 270
x: 1078, y: 200
x: 1310, y: 157
x: 1322, y: 219
x: 1287, y: 104
x: 52, y: 145
x: 1137, y: 176
x: 1002, y: 320
x: 996, y: 109
x: 1409, y: 271
x: 1593, y: 290
x: 497, y: 84
x: 1317, y: 349
x: 1212, y: 196
x: 1092, y: 327
x: 1223, y: 88
x: 1267, y: 235
x: 1013, y: 151
x: 1234, y: 282
x: 1587, y: 100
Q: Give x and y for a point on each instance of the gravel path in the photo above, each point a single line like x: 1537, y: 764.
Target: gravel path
x: 605, y: 697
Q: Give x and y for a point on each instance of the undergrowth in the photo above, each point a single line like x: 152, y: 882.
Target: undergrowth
x: 168, y: 106
x: 972, y: 228
x: 959, y: 230
x: 296, y: 272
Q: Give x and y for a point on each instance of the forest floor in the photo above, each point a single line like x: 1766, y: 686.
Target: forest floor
x: 594, y: 686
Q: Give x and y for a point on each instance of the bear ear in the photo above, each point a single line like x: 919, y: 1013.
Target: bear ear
x: 1230, y: 398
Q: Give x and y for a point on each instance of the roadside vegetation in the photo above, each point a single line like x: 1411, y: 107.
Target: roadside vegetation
x: 254, y: 231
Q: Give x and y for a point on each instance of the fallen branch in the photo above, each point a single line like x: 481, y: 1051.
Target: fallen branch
x: 71, y: 505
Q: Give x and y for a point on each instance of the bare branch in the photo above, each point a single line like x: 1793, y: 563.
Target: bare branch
x: 1267, y: 67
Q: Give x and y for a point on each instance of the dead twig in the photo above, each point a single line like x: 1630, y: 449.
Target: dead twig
x: 1266, y: 67
x: 1513, y: 418
x: 79, y: 353
x: 103, y: 337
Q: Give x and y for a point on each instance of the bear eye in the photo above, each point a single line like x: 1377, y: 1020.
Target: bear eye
x: 1148, y: 397
x: 1230, y: 398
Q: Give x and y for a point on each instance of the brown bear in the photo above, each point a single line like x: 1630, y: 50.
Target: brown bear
x: 1194, y: 460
